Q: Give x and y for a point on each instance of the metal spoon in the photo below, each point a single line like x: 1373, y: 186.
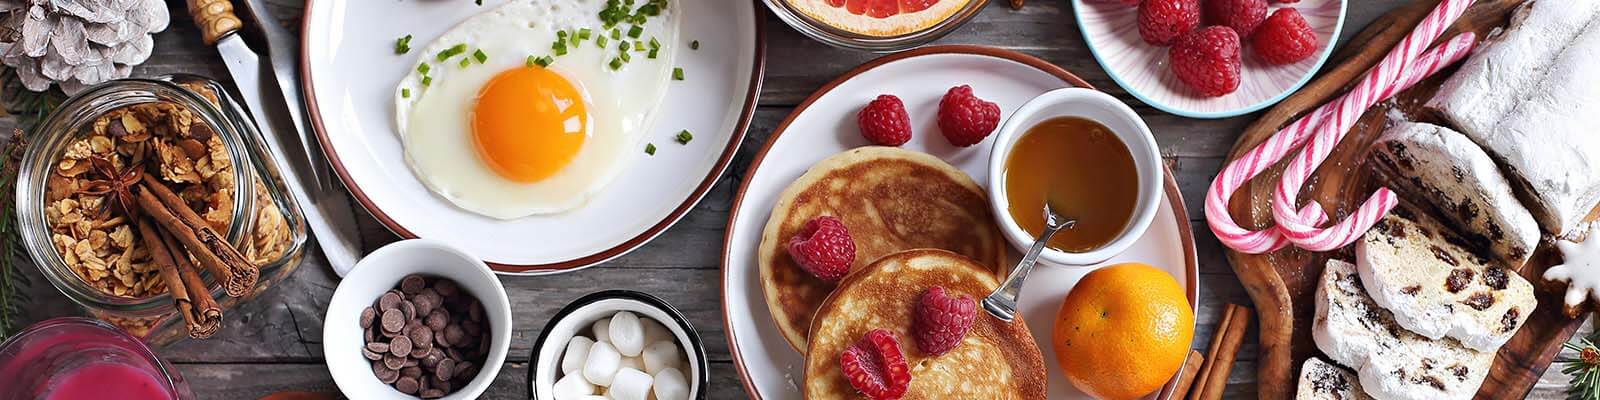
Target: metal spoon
x: 1002, y: 303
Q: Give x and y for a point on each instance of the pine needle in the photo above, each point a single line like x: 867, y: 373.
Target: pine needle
x: 1584, y: 368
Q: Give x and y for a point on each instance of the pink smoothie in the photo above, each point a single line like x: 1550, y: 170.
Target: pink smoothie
x: 80, y: 358
x: 106, y: 381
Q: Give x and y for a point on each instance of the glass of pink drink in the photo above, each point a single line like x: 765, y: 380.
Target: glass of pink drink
x: 80, y: 358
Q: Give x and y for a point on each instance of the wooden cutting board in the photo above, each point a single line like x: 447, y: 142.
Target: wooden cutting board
x: 1283, y: 284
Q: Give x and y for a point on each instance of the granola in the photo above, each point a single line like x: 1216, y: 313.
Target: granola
x: 92, y: 233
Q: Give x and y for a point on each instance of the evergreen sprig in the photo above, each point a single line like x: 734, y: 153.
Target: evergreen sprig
x: 28, y: 107
x: 1584, y: 368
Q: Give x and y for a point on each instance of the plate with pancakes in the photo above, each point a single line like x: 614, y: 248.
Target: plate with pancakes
x: 919, y: 217
x: 527, y: 132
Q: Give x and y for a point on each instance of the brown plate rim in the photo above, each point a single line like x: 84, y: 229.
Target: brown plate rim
x: 757, y: 73
x: 1186, y: 234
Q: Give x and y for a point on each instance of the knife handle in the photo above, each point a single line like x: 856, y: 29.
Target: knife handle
x: 215, y: 19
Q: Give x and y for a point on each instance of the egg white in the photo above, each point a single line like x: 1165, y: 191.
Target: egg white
x: 434, y: 121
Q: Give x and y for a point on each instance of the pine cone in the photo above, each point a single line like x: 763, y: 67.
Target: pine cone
x: 77, y: 43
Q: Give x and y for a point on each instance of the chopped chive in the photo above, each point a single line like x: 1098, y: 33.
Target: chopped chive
x: 572, y: 37
x: 650, y: 148
x: 478, y: 55
x: 544, y: 61
x: 616, y: 34
x: 452, y: 51
x: 652, y: 53
x: 532, y: 61
x: 684, y: 137
x: 405, y: 93
x: 583, y: 34
x: 677, y: 74
x: 635, y: 31
x: 616, y: 64
x: 694, y: 45
x: 427, y: 80
x: 623, y: 46
x: 402, y: 45
x: 465, y: 62
x: 423, y: 69
x: 600, y: 41
x: 478, y: 2
x: 561, y: 36
x: 625, y: 57
x: 638, y: 45
x: 654, y: 44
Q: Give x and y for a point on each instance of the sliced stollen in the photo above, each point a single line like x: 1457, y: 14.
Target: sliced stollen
x: 1392, y: 363
x: 1461, y: 183
x: 1529, y: 98
x: 1323, y: 381
x: 1413, y: 267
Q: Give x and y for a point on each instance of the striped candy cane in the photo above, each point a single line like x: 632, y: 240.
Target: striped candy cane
x: 1277, y: 146
x: 1298, y: 228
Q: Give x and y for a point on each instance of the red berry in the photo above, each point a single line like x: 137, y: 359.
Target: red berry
x: 1207, y: 60
x: 1241, y: 15
x: 876, y: 367
x: 1285, y: 38
x: 1162, y: 21
x: 823, y: 248
x: 966, y: 119
x: 884, y: 121
x: 940, y: 321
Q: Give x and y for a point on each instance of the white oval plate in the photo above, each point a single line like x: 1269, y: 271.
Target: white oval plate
x: 825, y: 124
x: 1112, y: 31
x: 350, y: 72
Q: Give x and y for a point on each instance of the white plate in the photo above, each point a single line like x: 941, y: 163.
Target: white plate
x: 351, y: 70
x: 825, y: 125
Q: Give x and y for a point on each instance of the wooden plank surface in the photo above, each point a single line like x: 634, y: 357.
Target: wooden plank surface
x: 274, y: 343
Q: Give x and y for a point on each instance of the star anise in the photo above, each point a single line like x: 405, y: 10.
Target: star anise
x: 118, y: 184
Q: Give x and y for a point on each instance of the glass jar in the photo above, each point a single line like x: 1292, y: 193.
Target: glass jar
x: 827, y: 34
x: 79, y: 358
x: 154, y: 318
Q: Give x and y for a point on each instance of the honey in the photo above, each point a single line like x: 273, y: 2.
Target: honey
x: 1085, y: 171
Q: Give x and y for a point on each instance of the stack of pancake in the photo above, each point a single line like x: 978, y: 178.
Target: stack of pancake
x: 916, y: 222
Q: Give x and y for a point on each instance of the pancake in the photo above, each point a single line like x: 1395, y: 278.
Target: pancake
x: 996, y: 360
x: 891, y: 200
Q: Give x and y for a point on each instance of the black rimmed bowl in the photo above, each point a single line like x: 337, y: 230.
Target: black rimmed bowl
x: 578, y: 316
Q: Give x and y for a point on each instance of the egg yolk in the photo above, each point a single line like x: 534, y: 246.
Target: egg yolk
x: 528, y: 123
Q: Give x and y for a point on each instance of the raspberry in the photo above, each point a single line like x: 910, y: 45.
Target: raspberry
x: 823, y: 248
x: 1162, y: 21
x: 1207, y: 60
x: 876, y: 367
x: 1241, y: 15
x: 884, y: 121
x: 966, y: 119
x: 1284, y: 38
x: 940, y: 321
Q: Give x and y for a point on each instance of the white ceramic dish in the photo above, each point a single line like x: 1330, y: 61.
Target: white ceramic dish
x: 381, y: 271
x: 579, y: 315
x: 1095, y: 106
x: 351, y: 70
x: 825, y: 124
x: 1111, y: 30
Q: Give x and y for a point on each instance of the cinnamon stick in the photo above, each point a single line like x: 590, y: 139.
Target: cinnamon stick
x: 1186, y: 376
x: 1225, y: 343
x: 196, y: 235
x: 189, y: 295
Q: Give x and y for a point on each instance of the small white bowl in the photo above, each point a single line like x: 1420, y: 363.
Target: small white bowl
x: 381, y: 271
x: 578, y: 316
x: 1100, y: 107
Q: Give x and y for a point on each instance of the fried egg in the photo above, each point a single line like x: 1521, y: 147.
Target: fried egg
x: 494, y: 133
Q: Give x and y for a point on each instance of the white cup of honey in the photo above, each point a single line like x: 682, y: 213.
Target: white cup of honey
x: 1096, y: 161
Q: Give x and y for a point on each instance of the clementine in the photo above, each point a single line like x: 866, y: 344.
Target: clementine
x: 1123, y: 331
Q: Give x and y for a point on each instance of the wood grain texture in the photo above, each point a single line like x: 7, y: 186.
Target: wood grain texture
x: 274, y: 343
x: 1282, y: 283
x: 215, y: 19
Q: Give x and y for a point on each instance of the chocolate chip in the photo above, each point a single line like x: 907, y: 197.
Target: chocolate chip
x: 412, y: 284
x: 453, y: 354
x: 467, y: 372
x: 432, y: 394
x: 400, y: 346
x: 409, y: 308
x: 1496, y: 278
x: 409, y: 363
x: 454, y: 334
x: 446, y: 288
x: 378, y: 347
x: 432, y: 358
x: 371, y: 355
x: 446, y: 367
x: 475, y: 312
x: 384, y: 373
x: 421, y: 350
x: 393, y: 320
x: 426, y: 301
x: 389, y: 300
x: 413, y: 372
x: 407, y: 385
x: 367, y: 316
x: 1479, y: 301
x: 420, y: 334
x: 394, y: 362
x: 1508, y: 322
x: 438, y: 319
x: 369, y: 335
x: 1458, y: 280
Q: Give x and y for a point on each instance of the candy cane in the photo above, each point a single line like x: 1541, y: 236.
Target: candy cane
x: 1277, y: 146
x: 1303, y: 231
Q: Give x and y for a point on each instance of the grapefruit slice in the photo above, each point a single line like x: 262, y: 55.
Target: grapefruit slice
x: 881, y: 18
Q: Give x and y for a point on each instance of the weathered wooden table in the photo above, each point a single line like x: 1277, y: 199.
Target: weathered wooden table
x: 274, y: 343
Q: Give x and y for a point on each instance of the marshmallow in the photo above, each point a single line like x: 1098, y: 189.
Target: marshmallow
x: 671, y: 385
x: 654, y: 331
x: 572, y: 387
x: 631, y: 384
x: 577, y: 352
x: 627, y: 334
x: 661, y: 355
x: 602, y: 364
x: 633, y: 362
x: 602, y: 330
